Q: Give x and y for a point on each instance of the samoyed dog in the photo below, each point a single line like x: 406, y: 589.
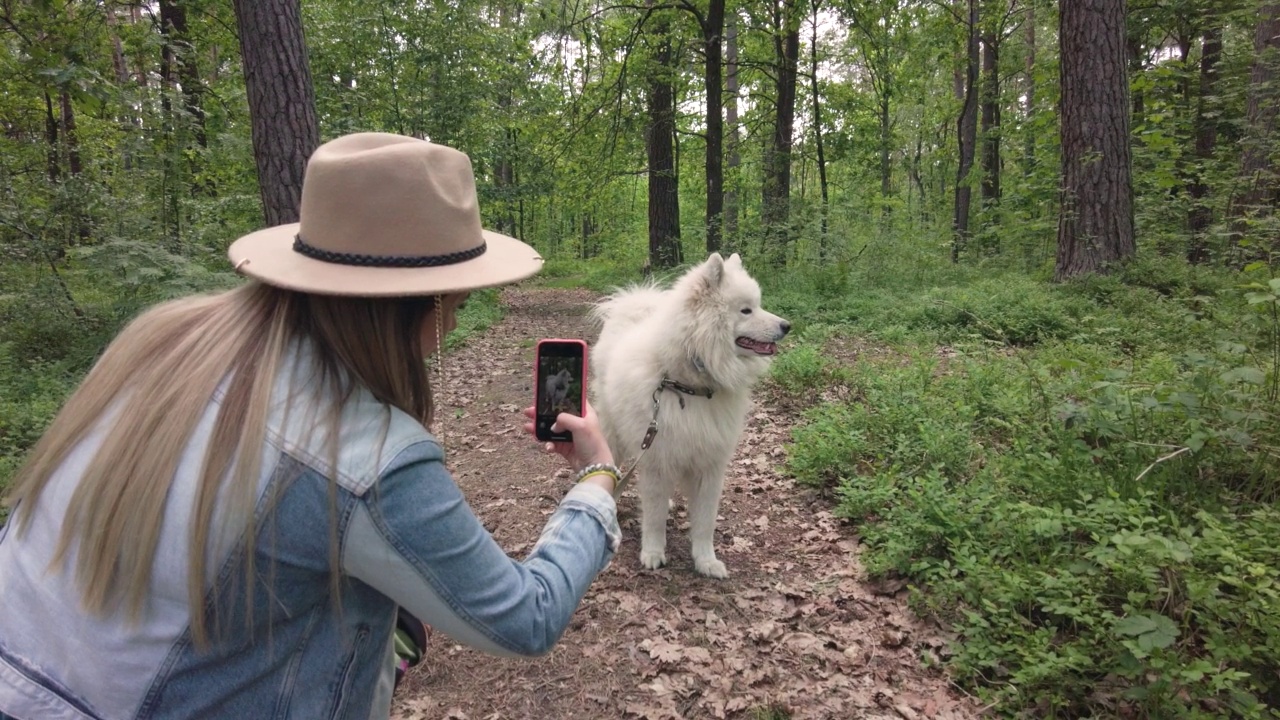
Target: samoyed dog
x: 691, y: 353
x: 557, y: 389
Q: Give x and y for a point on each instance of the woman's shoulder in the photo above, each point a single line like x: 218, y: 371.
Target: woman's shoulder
x: 372, y: 437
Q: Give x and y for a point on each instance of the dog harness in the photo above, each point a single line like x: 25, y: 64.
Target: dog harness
x: 666, y: 384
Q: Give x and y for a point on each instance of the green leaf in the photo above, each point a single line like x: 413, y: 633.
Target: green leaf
x: 1250, y: 375
x: 1152, y: 630
x: 1135, y: 625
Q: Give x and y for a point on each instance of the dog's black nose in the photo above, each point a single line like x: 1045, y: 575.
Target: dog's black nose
x: 786, y: 327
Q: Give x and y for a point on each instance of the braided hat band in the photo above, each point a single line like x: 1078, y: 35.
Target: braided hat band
x: 412, y: 261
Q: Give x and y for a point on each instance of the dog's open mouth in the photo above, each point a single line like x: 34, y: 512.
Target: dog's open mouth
x: 757, y: 347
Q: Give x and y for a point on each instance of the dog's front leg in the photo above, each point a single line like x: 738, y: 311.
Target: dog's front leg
x: 655, y: 504
x: 704, y: 505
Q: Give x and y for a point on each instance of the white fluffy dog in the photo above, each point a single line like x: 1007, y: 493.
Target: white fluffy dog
x: 708, y: 338
x: 557, y: 389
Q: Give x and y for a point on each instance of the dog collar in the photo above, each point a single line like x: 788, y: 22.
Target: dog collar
x: 669, y: 384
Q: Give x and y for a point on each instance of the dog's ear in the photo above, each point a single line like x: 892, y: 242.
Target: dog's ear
x: 734, y: 260
x: 714, y: 269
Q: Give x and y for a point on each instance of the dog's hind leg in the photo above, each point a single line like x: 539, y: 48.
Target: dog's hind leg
x: 704, y: 505
x: 655, y: 491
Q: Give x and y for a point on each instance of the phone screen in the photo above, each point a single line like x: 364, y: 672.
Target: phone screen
x: 560, y: 377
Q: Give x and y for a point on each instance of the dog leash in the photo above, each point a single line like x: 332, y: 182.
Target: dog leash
x: 649, y: 435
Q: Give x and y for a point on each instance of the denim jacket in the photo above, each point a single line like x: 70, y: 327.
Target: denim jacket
x: 405, y: 535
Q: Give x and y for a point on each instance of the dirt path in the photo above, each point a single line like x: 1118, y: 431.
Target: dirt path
x: 793, y: 633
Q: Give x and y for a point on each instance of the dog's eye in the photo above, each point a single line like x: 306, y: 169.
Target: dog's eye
x: 746, y: 311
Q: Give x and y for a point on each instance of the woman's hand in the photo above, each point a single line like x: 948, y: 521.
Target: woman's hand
x: 588, y: 444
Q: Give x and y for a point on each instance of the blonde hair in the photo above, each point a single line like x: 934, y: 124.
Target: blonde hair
x: 162, y: 371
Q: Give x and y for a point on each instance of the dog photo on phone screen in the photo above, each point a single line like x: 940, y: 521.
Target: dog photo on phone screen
x: 561, y: 387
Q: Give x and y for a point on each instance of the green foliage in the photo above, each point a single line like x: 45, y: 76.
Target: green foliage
x: 802, y: 370
x: 1079, y: 481
x: 483, y: 309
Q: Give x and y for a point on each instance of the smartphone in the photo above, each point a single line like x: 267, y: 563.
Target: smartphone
x: 560, y: 385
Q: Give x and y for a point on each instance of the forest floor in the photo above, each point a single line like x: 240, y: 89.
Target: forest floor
x: 794, y: 632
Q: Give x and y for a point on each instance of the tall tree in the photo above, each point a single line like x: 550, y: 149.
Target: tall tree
x: 282, y: 105
x: 1258, y: 172
x: 179, y: 66
x: 1029, y: 90
x: 876, y: 39
x: 711, y: 25
x: 966, y: 134
x: 776, y: 189
x: 1095, y: 225
x: 991, y: 114
x: 817, y: 126
x: 664, y: 188
x: 1206, y: 139
x: 734, y: 157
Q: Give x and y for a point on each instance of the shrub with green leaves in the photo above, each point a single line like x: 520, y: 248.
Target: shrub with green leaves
x: 1083, y: 494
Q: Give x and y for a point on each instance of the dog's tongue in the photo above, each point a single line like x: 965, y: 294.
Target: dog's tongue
x: 762, y: 348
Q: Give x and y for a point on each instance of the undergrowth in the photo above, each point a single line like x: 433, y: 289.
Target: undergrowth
x: 1080, y: 479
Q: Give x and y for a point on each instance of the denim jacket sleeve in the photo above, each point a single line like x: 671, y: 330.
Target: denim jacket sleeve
x: 414, y: 538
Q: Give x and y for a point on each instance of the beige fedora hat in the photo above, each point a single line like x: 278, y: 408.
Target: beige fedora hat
x: 385, y: 215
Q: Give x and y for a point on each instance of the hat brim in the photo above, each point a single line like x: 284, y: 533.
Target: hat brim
x: 268, y: 255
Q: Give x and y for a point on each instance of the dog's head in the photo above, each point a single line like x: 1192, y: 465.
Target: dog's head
x: 724, y: 290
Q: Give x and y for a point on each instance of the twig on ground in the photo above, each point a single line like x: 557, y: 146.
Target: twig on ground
x: 1159, y: 460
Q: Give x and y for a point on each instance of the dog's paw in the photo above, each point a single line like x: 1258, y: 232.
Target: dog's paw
x: 653, y: 559
x: 711, y: 568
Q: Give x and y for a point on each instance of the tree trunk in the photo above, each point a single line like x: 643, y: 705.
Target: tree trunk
x: 117, y: 48
x: 1029, y: 139
x: 53, y: 166
x: 991, y: 119
x: 135, y: 12
x: 817, y: 130
x: 1136, y: 68
x: 1261, y: 194
x: 128, y: 122
x: 506, y: 176
x: 1095, y: 226
x: 71, y: 139
x: 282, y: 105
x: 1206, y: 131
x: 734, y: 159
x: 178, y: 50
x: 664, y: 197
x: 967, y: 136
x: 886, y: 140
x: 776, y: 190
x: 69, y: 135
x: 712, y: 31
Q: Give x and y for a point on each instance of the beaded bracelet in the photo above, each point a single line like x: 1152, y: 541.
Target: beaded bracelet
x: 597, y: 469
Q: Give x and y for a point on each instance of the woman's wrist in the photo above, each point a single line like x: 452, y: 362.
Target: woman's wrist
x: 604, y: 480
x: 605, y: 474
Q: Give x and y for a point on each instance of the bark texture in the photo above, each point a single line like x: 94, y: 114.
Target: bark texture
x: 1095, y: 226
x: 282, y: 105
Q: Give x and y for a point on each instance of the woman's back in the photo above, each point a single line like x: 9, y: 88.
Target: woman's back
x: 44, y: 629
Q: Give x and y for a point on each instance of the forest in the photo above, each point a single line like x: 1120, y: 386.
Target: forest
x: 1030, y: 250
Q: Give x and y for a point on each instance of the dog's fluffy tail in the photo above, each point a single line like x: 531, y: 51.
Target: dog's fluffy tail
x: 627, y: 306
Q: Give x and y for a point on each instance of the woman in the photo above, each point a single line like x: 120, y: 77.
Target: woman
x: 226, y: 515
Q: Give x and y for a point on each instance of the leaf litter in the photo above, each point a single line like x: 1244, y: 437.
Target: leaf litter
x: 795, y: 629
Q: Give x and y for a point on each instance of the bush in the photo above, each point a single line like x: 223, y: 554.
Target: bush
x: 1083, y: 493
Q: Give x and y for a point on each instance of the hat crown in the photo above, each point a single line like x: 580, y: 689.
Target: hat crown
x: 385, y: 195
x: 385, y: 215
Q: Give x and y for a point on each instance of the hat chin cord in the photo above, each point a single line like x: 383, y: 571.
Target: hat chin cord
x: 439, y: 313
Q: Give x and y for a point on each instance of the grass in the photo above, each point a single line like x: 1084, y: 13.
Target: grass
x: 1079, y: 480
